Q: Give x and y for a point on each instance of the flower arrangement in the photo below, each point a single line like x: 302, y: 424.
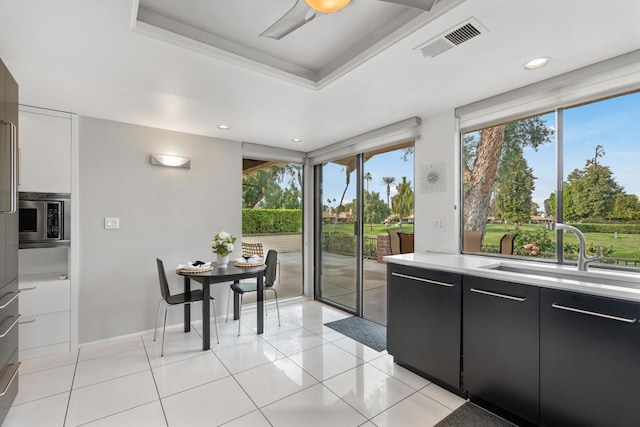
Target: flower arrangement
x: 222, y: 243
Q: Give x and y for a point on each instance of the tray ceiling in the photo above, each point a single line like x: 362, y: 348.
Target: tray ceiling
x: 314, y: 55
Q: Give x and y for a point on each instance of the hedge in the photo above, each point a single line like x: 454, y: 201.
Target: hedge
x: 271, y: 221
x: 609, y: 228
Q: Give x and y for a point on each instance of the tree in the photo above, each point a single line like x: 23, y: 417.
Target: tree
x: 514, y: 186
x: 367, y: 178
x: 388, y: 180
x: 375, y: 209
x: 483, y: 152
x: 547, y: 207
x: 340, y: 207
x: 291, y: 197
x: 626, y: 206
x: 402, y: 203
x: 590, y: 192
x: 256, y: 185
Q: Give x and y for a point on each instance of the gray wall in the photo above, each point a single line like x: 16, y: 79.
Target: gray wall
x: 171, y: 214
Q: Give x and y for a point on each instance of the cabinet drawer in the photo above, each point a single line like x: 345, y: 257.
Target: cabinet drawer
x: 44, y: 297
x: 9, y: 381
x: 36, y: 331
x: 8, y: 322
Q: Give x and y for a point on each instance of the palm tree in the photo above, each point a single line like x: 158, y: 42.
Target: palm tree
x: 368, y: 177
x: 388, y: 180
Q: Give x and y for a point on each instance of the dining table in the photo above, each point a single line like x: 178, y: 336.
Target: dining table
x: 230, y: 273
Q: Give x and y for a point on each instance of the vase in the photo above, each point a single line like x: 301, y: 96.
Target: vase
x: 222, y: 261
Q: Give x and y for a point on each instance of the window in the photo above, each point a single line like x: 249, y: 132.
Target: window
x: 509, y: 183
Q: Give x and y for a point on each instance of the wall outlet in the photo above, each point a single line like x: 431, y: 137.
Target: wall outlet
x: 439, y: 224
x: 111, y: 223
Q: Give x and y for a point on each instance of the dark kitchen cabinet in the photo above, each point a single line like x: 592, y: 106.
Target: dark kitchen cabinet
x: 590, y: 360
x: 501, y: 345
x: 423, y: 321
x: 8, y: 242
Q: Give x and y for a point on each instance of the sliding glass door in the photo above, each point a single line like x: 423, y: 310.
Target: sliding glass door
x: 360, y: 201
x: 338, y: 254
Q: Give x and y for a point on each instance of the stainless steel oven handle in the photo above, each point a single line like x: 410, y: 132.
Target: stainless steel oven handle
x: 10, y: 301
x: 14, y: 170
x: 593, y: 313
x: 13, y: 377
x: 15, y: 322
x: 420, y: 279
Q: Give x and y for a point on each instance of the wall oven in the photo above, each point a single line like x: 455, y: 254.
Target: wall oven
x: 44, y: 219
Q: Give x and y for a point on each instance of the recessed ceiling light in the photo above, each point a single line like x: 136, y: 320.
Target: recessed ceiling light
x: 536, y: 63
x: 223, y: 127
x: 296, y: 140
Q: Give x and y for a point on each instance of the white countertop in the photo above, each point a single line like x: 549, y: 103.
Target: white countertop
x: 627, y: 285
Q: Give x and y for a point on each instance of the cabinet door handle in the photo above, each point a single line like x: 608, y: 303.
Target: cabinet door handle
x: 493, y: 294
x: 28, y: 321
x: 593, y: 313
x: 433, y: 282
x: 10, y: 300
x: 13, y: 377
x: 15, y: 322
x: 14, y: 167
x: 29, y: 289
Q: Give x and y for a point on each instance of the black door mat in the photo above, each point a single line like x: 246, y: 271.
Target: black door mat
x: 362, y: 330
x: 470, y: 415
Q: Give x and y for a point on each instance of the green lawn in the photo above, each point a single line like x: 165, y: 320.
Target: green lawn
x: 625, y: 246
x: 377, y: 229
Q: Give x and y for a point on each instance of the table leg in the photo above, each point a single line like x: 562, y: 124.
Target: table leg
x: 236, y: 303
x: 260, y: 311
x: 187, y: 307
x: 206, y: 316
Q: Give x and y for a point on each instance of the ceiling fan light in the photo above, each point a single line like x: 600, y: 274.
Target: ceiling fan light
x: 327, y: 6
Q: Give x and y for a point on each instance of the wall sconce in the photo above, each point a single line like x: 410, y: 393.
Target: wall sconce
x: 170, y: 161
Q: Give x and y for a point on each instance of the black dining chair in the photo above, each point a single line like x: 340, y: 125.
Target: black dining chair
x: 252, y: 286
x: 177, y: 299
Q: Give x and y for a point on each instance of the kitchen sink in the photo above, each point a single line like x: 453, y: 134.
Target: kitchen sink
x: 625, y: 280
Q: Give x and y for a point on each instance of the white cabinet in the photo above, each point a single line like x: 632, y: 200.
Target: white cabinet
x: 45, y: 151
x: 45, y: 309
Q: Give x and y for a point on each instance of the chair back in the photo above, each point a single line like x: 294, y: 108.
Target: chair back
x: 506, y: 244
x: 394, y: 241
x: 249, y: 249
x: 164, y: 285
x: 472, y: 241
x: 406, y: 243
x: 270, y: 271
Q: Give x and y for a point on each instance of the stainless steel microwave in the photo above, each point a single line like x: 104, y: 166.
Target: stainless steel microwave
x: 44, y: 219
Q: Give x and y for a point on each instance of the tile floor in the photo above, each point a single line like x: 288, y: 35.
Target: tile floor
x: 299, y: 374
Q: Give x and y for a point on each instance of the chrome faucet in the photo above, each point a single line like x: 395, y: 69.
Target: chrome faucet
x: 583, y: 259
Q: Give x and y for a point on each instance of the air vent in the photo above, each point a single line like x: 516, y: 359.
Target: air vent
x: 451, y: 38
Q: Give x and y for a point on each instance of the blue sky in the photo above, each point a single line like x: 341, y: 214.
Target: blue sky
x: 380, y: 165
x: 613, y: 123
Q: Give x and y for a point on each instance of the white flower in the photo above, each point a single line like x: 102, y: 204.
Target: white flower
x: 222, y: 243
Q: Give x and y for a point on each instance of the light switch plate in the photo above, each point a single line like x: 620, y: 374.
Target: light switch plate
x: 111, y: 223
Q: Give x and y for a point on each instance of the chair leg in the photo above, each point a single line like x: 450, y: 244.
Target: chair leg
x: 155, y: 333
x: 164, y: 329
x: 277, y: 307
x: 215, y: 320
x: 228, y: 304
x: 240, y: 315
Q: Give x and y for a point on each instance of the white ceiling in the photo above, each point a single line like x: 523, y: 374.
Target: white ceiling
x: 83, y: 56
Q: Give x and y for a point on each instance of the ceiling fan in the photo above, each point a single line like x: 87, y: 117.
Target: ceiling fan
x: 304, y: 11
